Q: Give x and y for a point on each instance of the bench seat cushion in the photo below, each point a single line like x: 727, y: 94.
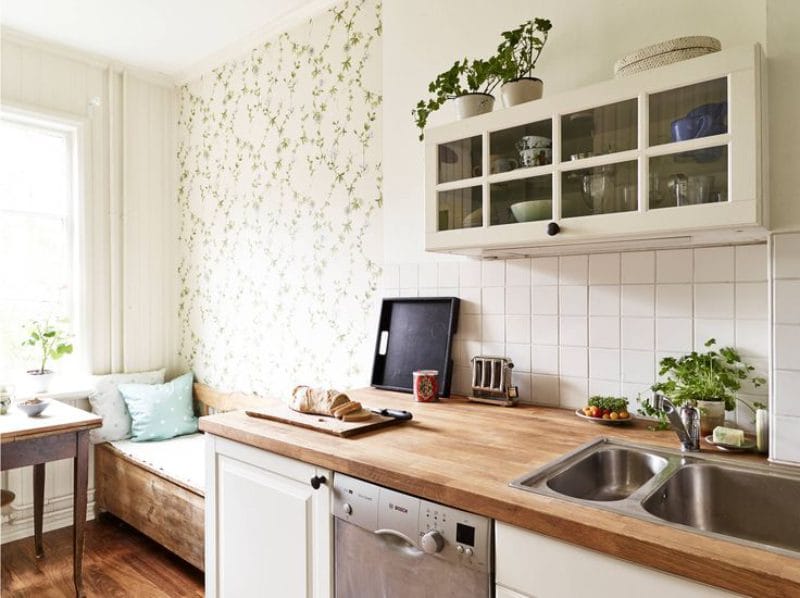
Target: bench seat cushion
x: 181, y: 458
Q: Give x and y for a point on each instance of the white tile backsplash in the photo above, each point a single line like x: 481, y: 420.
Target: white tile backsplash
x: 494, y: 328
x: 713, y: 300
x: 674, y: 334
x: 493, y: 273
x: 574, y: 392
x: 544, y: 359
x: 448, y: 274
x: 604, y: 364
x: 714, y: 264
x: 573, y: 300
x: 604, y: 268
x: 408, y: 276
x: 752, y: 300
x: 787, y: 301
x: 429, y: 274
x: 787, y: 346
x: 604, y: 300
x: 638, y: 300
x: 639, y: 267
x: 545, y: 390
x: 638, y: 333
x: 544, y: 300
x: 605, y: 388
x: 518, y: 273
x: 674, y: 301
x: 493, y: 300
x: 720, y: 330
x: 470, y: 273
x: 518, y: 329
x: 604, y: 332
x: 470, y: 300
x: 573, y: 269
x: 674, y: 265
x: 544, y: 271
x: 544, y: 330
x: 751, y: 263
x: 787, y: 392
x: 638, y: 366
x: 787, y: 256
x: 518, y: 301
x: 573, y: 361
x: 786, y: 438
x: 520, y: 356
x: 574, y: 331
x: 752, y: 337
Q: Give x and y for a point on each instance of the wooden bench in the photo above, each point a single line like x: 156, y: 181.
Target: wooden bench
x: 167, y: 510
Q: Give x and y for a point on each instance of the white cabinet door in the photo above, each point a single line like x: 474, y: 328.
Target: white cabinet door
x: 543, y: 567
x: 268, y: 530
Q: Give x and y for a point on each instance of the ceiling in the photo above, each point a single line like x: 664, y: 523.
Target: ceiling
x: 168, y: 36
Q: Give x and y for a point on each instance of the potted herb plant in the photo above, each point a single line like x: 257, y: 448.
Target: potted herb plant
x: 517, y: 55
x: 709, y: 381
x: 51, y: 342
x: 469, y: 84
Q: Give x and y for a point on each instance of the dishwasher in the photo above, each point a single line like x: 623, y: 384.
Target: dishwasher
x: 393, y: 545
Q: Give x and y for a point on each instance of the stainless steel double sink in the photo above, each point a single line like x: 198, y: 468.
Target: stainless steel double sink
x: 752, y: 504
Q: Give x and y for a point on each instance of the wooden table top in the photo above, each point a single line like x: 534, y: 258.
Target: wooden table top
x: 465, y: 454
x: 55, y: 419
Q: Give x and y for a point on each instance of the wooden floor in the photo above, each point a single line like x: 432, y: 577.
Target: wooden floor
x: 118, y: 562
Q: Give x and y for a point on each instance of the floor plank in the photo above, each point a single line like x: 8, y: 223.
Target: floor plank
x: 119, y: 562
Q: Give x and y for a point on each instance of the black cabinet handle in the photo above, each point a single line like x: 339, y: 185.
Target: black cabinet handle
x: 317, y: 481
x: 553, y: 229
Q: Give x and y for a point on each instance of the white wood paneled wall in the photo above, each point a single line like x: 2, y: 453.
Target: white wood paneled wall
x: 130, y: 214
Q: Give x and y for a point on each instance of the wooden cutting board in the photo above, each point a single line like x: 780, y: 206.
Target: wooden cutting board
x: 280, y: 412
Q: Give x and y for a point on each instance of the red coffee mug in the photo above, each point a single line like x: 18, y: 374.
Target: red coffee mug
x: 426, y: 385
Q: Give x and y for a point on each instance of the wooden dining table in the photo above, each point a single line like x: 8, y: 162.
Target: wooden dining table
x: 60, y: 432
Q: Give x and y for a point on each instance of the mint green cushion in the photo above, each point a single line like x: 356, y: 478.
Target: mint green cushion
x: 160, y: 411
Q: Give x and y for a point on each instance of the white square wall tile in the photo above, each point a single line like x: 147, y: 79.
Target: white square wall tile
x: 674, y: 300
x: 604, y: 364
x: 470, y: 300
x: 544, y: 270
x: 720, y: 330
x: 462, y: 380
x: 604, y: 332
x: 752, y: 338
x: 520, y: 356
x: 752, y: 300
x: 787, y: 347
x: 574, y: 392
x: 390, y: 293
x: 632, y: 391
x: 674, y: 265
x: 574, y: 331
x: 604, y: 300
x: 713, y: 300
x: 639, y: 267
x: 493, y: 349
x: 493, y: 273
x: 469, y: 349
x: 390, y: 276
x: 493, y: 300
x: 544, y: 330
x: 448, y: 274
x: 518, y: 329
x: 604, y: 388
x: 469, y: 327
x: 518, y: 301
x: 604, y: 268
x: 787, y: 255
x: 428, y: 291
x: 544, y: 300
x: 544, y: 359
x: 428, y: 275
x: 573, y: 269
x: 674, y: 334
x: 470, y: 273
x: 787, y: 392
x: 638, y: 333
x: 638, y: 300
x: 638, y: 366
x: 573, y: 361
x: 714, y: 264
x: 408, y: 276
x: 787, y: 301
x: 494, y: 329
x: 545, y: 390
x: 446, y: 292
x: 751, y: 263
x: 518, y: 273
x: 522, y: 380
x: 573, y: 300
x: 787, y: 439
x: 413, y: 292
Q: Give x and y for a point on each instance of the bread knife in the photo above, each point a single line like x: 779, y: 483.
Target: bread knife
x: 398, y: 414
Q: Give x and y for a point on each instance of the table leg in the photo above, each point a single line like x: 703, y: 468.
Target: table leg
x: 79, y: 509
x: 38, y: 507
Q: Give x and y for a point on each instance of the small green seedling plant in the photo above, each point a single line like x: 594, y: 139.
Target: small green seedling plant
x: 50, y: 341
x: 611, y: 408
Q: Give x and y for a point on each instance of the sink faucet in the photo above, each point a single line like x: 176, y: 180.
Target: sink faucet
x: 686, y: 423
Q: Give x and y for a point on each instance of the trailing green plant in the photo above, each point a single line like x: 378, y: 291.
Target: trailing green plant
x: 716, y: 375
x: 51, y: 341
x: 464, y: 77
x: 520, y: 49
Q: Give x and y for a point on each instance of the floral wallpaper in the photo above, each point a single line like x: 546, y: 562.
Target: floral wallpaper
x: 279, y: 199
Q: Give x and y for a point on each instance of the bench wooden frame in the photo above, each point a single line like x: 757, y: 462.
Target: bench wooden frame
x: 161, y: 507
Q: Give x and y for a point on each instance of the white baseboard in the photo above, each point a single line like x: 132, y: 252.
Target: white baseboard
x: 19, y: 527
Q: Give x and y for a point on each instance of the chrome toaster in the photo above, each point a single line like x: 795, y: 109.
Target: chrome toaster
x: 491, y: 381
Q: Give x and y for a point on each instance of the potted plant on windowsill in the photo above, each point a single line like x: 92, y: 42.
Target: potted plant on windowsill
x: 469, y: 84
x: 51, y: 343
x: 517, y: 56
x: 709, y: 381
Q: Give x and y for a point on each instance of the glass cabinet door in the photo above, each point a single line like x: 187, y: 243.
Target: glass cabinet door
x: 600, y: 190
x: 522, y: 200
x: 689, y: 178
x: 460, y: 159
x: 460, y: 208
x: 690, y: 112
x: 521, y: 147
x: 603, y: 130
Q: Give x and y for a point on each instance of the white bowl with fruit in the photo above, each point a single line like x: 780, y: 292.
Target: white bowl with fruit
x: 606, y: 410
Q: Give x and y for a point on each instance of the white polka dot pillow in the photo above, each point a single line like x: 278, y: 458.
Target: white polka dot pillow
x: 106, y: 401
x: 160, y: 411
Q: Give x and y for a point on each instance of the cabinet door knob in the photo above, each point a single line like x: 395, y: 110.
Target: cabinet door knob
x: 317, y: 481
x: 553, y: 229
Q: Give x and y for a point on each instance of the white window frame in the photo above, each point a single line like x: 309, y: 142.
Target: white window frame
x: 74, y: 129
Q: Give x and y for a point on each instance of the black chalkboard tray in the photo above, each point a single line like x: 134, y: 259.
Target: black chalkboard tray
x: 415, y: 333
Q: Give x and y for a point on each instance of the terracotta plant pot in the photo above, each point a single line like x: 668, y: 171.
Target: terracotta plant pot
x: 521, y: 90
x: 40, y: 381
x: 712, y: 414
x: 473, y: 104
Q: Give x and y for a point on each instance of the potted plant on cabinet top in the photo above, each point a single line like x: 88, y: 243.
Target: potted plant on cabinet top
x: 51, y: 343
x: 708, y: 381
x: 517, y: 56
x: 469, y: 84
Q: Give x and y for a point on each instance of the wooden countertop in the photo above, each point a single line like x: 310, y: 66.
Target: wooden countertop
x: 464, y: 454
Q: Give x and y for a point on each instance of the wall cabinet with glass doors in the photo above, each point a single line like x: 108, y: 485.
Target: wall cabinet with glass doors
x: 671, y: 155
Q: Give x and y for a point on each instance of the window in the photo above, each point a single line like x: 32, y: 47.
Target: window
x: 38, y: 257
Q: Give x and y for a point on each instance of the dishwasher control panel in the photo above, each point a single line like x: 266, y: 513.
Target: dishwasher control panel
x: 438, y: 530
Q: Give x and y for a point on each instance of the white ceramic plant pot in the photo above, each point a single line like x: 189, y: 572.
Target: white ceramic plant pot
x: 40, y: 382
x: 473, y: 104
x: 521, y: 90
x: 712, y: 414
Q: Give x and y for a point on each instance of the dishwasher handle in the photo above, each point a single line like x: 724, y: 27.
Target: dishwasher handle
x: 399, y: 539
